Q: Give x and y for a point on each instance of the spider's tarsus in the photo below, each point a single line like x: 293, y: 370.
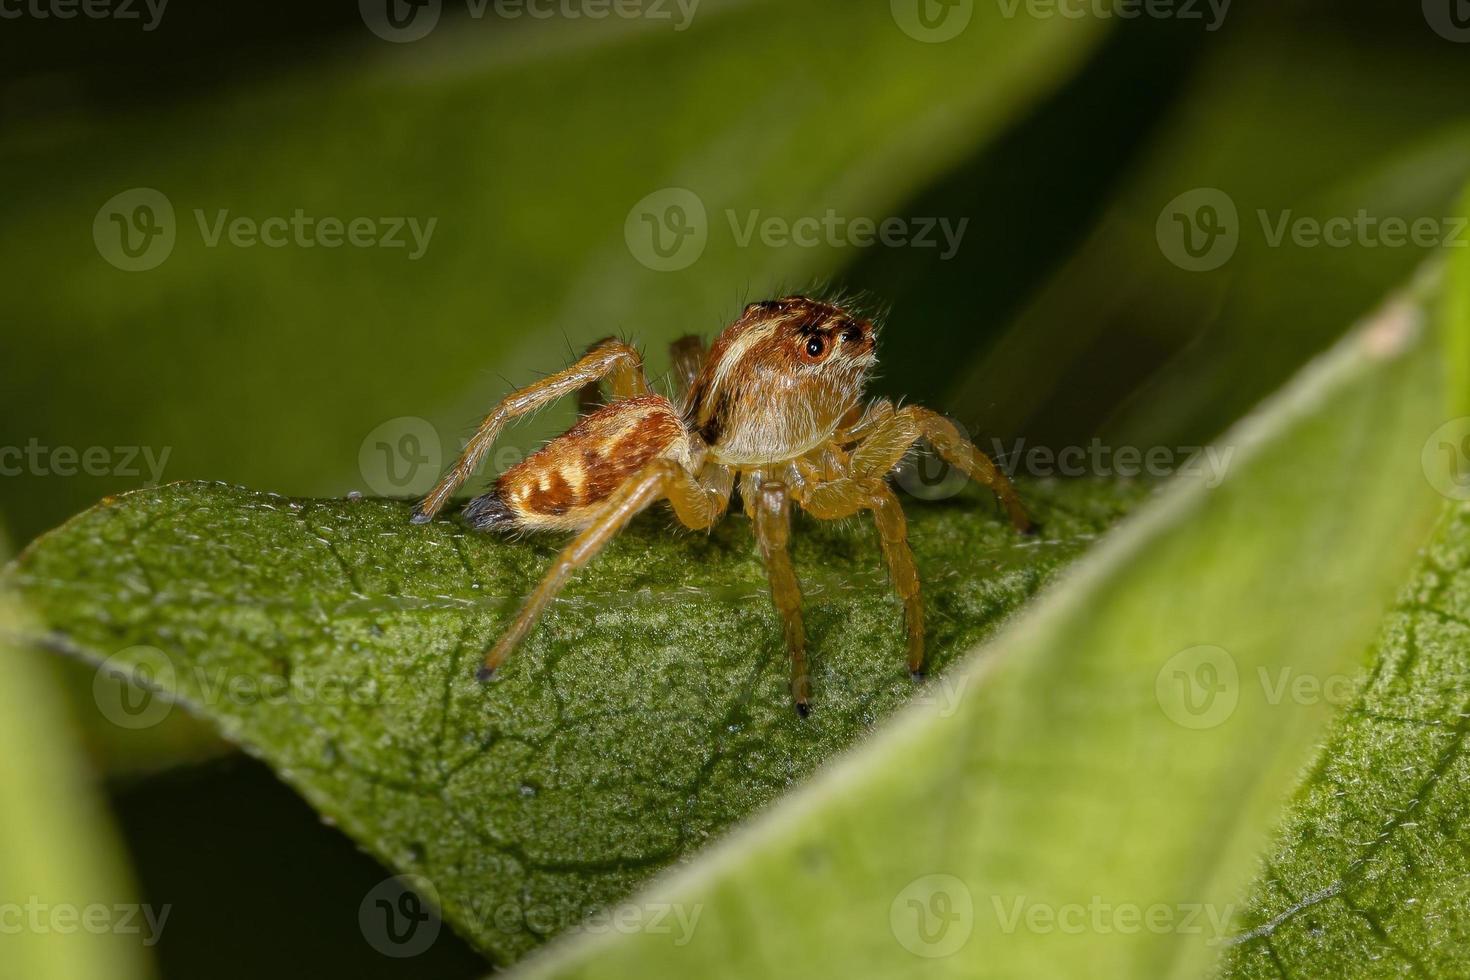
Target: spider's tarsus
x: 803, y: 709
x: 419, y: 517
x: 485, y: 674
x: 1031, y: 530
x: 918, y: 675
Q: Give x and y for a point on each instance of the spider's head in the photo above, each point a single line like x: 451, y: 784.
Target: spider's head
x: 778, y: 381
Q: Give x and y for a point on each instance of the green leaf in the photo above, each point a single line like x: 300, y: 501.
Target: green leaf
x: 62, y: 878
x: 647, y: 714
x: 1081, y: 813
x: 1370, y: 875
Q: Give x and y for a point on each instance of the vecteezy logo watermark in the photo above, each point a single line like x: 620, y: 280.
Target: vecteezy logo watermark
x: 126, y: 685
x: 39, y: 917
x: 401, y: 457
x: 1183, y: 10
x: 1446, y: 459
x: 35, y: 459
x: 132, y: 688
x: 933, y: 916
x: 1450, y: 19
x: 1201, y: 229
x: 136, y: 230
x: 90, y: 9
x: 1198, y: 687
x: 398, y: 916
x: 402, y: 21
x: 932, y: 21
x: 669, y: 229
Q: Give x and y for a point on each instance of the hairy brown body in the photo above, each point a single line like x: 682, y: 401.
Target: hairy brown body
x: 776, y: 403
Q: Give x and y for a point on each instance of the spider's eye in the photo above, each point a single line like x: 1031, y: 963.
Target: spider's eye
x: 852, y: 335
x: 814, y: 347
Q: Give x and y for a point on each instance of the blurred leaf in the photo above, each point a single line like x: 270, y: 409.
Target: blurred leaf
x: 61, y: 875
x: 647, y: 714
x: 1289, y: 121
x: 1112, y: 755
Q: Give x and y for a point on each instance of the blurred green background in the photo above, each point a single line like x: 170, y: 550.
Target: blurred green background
x: 575, y: 176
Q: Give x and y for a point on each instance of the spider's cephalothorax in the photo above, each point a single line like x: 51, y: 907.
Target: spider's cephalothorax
x: 776, y: 401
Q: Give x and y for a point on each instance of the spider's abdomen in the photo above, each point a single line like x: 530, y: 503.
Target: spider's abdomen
x: 558, y: 486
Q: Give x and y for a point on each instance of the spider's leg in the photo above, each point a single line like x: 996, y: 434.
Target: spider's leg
x: 844, y: 497
x: 694, y: 504
x: 962, y: 454
x: 770, y: 510
x: 687, y: 355
x: 893, y: 535
x: 612, y: 359
x: 886, y: 442
x: 621, y: 384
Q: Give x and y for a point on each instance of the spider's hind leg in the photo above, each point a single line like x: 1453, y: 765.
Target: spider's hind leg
x: 694, y: 503
x: 608, y: 359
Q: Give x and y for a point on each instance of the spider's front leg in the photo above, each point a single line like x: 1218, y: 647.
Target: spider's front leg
x: 769, y: 507
x: 614, y: 360
x: 696, y: 503
x: 843, y: 497
x: 893, y: 433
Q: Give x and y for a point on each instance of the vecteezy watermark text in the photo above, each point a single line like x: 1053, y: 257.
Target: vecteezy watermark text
x: 37, y: 917
x: 131, y: 688
x: 1101, y: 917
x: 148, y: 12
x: 403, y: 21
x: 34, y: 459
x: 136, y: 230
x: 398, y: 918
x: 306, y: 231
x: 1210, y: 463
x: 1201, y: 229
x: 668, y: 230
x: 1211, y: 12
x: 1200, y: 687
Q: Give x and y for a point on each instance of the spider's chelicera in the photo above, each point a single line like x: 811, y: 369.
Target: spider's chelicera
x: 776, y: 401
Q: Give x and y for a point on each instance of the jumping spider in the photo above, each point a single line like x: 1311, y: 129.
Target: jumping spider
x: 777, y: 400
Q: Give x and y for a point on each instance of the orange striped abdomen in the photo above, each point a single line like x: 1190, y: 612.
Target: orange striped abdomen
x: 559, y: 486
